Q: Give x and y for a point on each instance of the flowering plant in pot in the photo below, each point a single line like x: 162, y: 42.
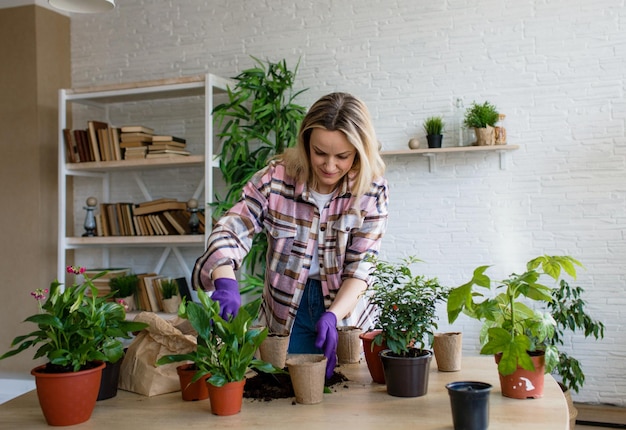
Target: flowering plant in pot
x: 519, y: 335
x: 77, y: 332
x: 225, y: 348
x: 406, y: 317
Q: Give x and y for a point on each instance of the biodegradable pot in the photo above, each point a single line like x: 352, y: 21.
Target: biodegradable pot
x: 434, y: 140
x: 524, y: 384
x: 349, y: 345
x: 372, y: 355
x: 192, y: 391
x: 227, y: 399
x: 308, y: 373
x: 130, y: 303
x: 469, y: 401
x: 273, y: 349
x: 67, y: 398
x: 406, y: 376
x: 448, y: 349
x: 110, y: 379
x: 171, y: 305
x: 485, y: 136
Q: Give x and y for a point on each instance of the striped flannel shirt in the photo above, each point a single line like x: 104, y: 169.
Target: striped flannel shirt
x: 274, y: 203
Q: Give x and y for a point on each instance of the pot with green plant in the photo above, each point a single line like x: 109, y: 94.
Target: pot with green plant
x: 434, y: 126
x: 124, y: 288
x: 225, y: 350
x: 482, y: 118
x: 260, y: 119
x: 407, y: 319
x: 169, y: 295
x: 77, y: 332
x: 518, y: 334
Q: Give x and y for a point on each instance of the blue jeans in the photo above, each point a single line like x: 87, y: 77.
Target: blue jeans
x: 303, y: 332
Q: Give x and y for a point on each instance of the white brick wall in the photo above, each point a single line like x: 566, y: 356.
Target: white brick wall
x: 557, y: 69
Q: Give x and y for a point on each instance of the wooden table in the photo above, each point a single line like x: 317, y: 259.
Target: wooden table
x: 357, y: 404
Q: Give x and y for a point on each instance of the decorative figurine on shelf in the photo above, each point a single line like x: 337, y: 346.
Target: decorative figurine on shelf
x: 194, y: 221
x: 90, y: 219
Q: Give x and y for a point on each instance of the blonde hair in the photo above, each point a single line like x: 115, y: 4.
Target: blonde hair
x: 338, y: 112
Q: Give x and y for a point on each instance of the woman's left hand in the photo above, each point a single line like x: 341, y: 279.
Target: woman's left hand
x: 327, y: 338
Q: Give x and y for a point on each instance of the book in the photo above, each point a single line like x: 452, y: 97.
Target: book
x: 148, y: 282
x: 84, y: 150
x: 142, y: 291
x: 163, y: 138
x: 143, y: 209
x: 135, y: 137
x: 168, y: 151
x: 166, y: 145
x: 71, y: 149
x: 103, y: 144
x: 174, y: 222
x: 183, y: 289
x: 114, y: 140
x: 137, y: 129
x: 93, y: 127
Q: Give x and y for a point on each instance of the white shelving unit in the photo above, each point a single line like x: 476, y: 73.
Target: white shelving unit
x: 105, y: 97
x: 433, y: 153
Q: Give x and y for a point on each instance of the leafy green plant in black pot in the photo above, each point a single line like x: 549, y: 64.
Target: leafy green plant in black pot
x: 260, y: 120
x: 434, y: 126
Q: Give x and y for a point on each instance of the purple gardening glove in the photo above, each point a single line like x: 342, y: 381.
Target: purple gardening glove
x: 327, y: 337
x: 227, y: 294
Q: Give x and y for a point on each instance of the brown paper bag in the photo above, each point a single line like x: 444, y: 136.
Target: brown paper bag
x: 139, y: 372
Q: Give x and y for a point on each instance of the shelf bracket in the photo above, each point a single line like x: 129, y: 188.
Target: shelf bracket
x: 432, y: 161
x: 504, y: 160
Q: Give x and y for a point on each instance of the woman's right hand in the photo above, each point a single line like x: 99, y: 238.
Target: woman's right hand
x: 227, y: 294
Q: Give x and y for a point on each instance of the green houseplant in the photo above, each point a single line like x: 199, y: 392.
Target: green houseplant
x: 434, y: 126
x: 125, y: 288
x: 260, y: 120
x: 169, y: 294
x: 77, y: 332
x: 225, y: 349
x: 482, y: 118
x: 407, y: 318
x: 512, y: 329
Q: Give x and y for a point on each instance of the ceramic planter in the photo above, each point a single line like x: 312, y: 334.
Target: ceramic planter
x: 469, y: 401
x: 308, y: 373
x: 191, y: 391
x: 372, y: 355
x: 448, y: 351
x: 406, y: 376
x: 67, y: 398
x: 349, y: 345
x: 110, y: 379
x: 524, y: 384
x: 273, y: 349
x: 227, y: 399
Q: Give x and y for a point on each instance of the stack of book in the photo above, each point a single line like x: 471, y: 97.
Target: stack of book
x: 134, y: 140
x: 102, y: 283
x: 167, y: 146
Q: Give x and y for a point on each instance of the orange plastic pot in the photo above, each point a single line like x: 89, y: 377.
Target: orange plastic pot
x: 191, y: 391
x: 372, y: 358
x: 227, y: 399
x: 524, y: 384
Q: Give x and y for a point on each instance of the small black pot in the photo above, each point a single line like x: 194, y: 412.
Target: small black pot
x: 406, y: 376
x: 470, y: 404
x: 110, y: 380
x: 434, y: 140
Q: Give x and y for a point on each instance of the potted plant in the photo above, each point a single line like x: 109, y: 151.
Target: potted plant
x: 169, y: 294
x: 77, y: 332
x: 482, y: 118
x: 259, y: 120
x: 433, y: 126
x: 518, y: 335
x: 225, y: 349
x: 125, y: 288
x: 406, y: 317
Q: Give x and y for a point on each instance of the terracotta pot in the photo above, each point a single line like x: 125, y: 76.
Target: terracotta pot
x: 448, y: 349
x: 372, y: 358
x: 110, y: 379
x: 524, y: 384
x: 67, y: 398
x: 273, y: 349
x: 227, y: 399
x: 349, y: 345
x: 308, y: 373
x: 170, y: 306
x: 406, y: 376
x: 192, y: 391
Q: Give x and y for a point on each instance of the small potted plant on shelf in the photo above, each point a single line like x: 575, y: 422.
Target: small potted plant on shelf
x: 124, y: 289
x: 482, y: 118
x: 434, y: 126
x: 77, y: 332
x: 225, y: 350
x: 520, y: 337
x: 169, y: 293
x: 406, y: 317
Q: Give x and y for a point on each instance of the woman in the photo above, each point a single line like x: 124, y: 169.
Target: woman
x: 323, y: 206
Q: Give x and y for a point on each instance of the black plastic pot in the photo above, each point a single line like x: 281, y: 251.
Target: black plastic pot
x: 470, y: 404
x: 406, y: 376
x: 434, y: 140
x: 110, y: 380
